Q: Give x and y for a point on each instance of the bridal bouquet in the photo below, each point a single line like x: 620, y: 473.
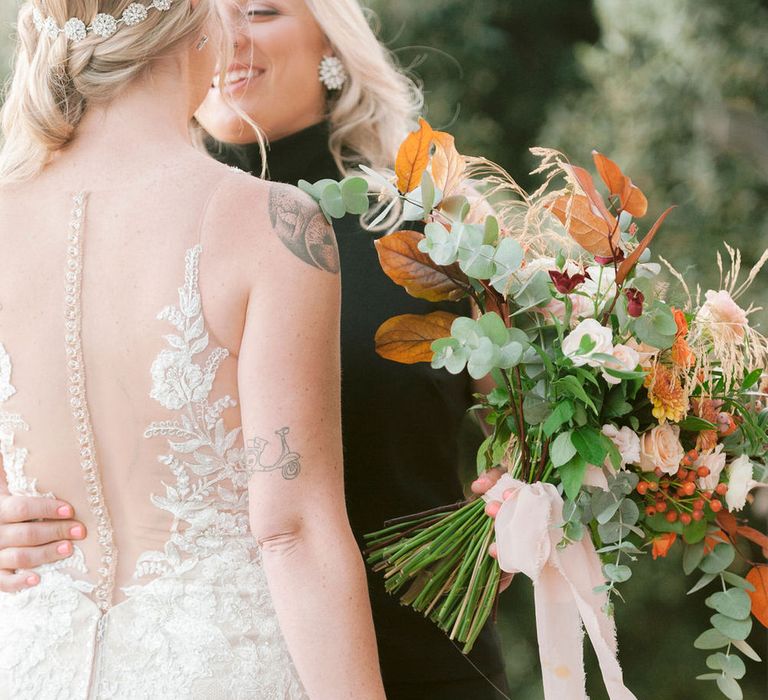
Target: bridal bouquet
x: 627, y: 415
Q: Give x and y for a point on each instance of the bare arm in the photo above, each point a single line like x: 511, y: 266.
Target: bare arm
x: 289, y: 392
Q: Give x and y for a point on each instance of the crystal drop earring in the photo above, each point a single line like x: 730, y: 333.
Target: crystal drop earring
x: 202, y: 43
x: 332, y: 73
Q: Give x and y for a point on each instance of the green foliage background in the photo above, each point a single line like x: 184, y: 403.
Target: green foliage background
x: 677, y: 92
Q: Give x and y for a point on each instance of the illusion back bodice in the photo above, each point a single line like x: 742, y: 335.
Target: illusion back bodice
x: 118, y: 394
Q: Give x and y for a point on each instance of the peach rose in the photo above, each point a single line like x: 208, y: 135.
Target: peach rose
x: 627, y: 443
x: 581, y: 308
x: 660, y: 447
x: 626, y: 359
x: 724, y: 318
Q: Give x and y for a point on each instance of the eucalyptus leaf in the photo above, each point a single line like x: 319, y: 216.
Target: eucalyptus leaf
x: 704, y: 581
x: 332, y: 202
x: 711, y: 639
x: 354, y: 192
x: 747, y: 650
x: 733, y: 603
x: 738, y: 581
x: 733, y: 629
x: 730, y: 688
x: 692, y: 556
x: 730, y: 664
x: 719, y: 559
x: 617, y: 573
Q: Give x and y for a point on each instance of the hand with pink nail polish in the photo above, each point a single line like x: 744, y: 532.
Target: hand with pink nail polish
x: 33, y: 531
x: 479, y: 486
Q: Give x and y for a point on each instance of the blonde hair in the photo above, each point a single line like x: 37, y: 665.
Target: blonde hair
x: 54, y: 80
x: 379, y: 104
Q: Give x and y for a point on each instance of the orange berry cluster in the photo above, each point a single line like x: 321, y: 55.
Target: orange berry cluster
x: 677, y: 495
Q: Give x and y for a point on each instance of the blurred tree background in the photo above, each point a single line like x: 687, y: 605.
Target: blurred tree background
x: 677, y: 92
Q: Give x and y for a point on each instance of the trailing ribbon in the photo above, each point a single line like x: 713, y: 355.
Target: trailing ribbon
x: 528, y: 529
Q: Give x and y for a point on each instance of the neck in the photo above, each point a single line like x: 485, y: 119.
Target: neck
x: 151, y: 116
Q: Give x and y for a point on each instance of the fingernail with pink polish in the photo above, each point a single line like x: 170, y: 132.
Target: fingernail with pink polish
x: 63, y: 548
x: 77, y: 531
x: 32, y: 580
x: 64, y: 511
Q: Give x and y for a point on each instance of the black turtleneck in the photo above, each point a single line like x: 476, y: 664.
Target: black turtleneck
x: 401, y: 424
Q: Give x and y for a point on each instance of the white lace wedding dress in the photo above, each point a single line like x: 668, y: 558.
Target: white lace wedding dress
x: 131, y: 416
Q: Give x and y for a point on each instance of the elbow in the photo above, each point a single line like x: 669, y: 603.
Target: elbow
x: 281, y: 543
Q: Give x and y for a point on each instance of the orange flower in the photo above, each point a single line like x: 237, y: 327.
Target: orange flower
x: 708, y: 409
x: 668, y: 396
x: 682, y: 355
x: 662, y: 544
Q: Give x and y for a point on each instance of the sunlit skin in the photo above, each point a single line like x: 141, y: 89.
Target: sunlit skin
x: 273, y: 76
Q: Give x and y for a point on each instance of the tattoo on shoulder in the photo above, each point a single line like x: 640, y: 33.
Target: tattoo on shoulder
x: 289, y: 462
x: 303, y: 229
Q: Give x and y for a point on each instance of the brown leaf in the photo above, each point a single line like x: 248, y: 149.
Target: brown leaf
x: 626, y: 266
x: 610, y: 173
x: 631, y: 199
x: 588, y: 185
x: 758, y: 577
x: 448, y: 166
x: 755, y: 536
x: 413, y: 158
x: 590, y: 230
x: 422, y: 278
x: 408, y: 338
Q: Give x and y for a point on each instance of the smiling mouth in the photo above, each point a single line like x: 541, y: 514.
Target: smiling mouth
x: 237, y: 78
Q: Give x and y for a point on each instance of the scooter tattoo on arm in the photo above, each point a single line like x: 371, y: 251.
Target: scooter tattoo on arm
x: 289, y: 462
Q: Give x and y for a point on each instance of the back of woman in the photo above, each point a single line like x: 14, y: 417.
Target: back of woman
x: 150, y: 376
x: 119, y: 394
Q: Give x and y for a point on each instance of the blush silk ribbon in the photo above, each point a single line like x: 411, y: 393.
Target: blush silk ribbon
x: 528, y: 529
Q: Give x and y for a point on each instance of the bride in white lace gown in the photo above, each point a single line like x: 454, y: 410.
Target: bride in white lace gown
x: 169, y: 366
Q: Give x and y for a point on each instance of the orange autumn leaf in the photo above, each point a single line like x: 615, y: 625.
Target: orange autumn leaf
x: 413, y: 158
x: 590, y: 230
x: 626, y: 266
x: 662, y: 544
x: 587, y: 184
x: 406, y: 265
x: 682, y: 354
x: 609, y: 173
x: 631, y: 199
x: 448, y: 166
x: 408, y: 338
x: 758, y: 577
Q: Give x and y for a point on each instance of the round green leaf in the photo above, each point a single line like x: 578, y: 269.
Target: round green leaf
x: 711, y: 639
x: 332, y: 202
x: 733, y: 603
x: 618, y: 573
x: 730, y: 664
x: 730, y: 688
x: 719, y: 559
x: 733, y: 629
x: 354, y: 192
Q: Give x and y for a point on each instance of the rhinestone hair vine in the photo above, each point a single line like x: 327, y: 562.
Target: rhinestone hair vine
x: 103, y: 25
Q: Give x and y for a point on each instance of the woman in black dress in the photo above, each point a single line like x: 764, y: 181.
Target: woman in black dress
x: 401, y: 424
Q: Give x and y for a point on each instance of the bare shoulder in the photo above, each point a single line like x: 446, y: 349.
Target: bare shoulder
x: 257, y: 212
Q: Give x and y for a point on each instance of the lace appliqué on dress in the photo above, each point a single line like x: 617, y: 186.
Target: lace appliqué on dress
x: 204, y: 626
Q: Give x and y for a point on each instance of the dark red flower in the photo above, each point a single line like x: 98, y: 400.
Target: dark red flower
x: 600, y: 260
x: 565, y: 283
x: 635, y: 298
